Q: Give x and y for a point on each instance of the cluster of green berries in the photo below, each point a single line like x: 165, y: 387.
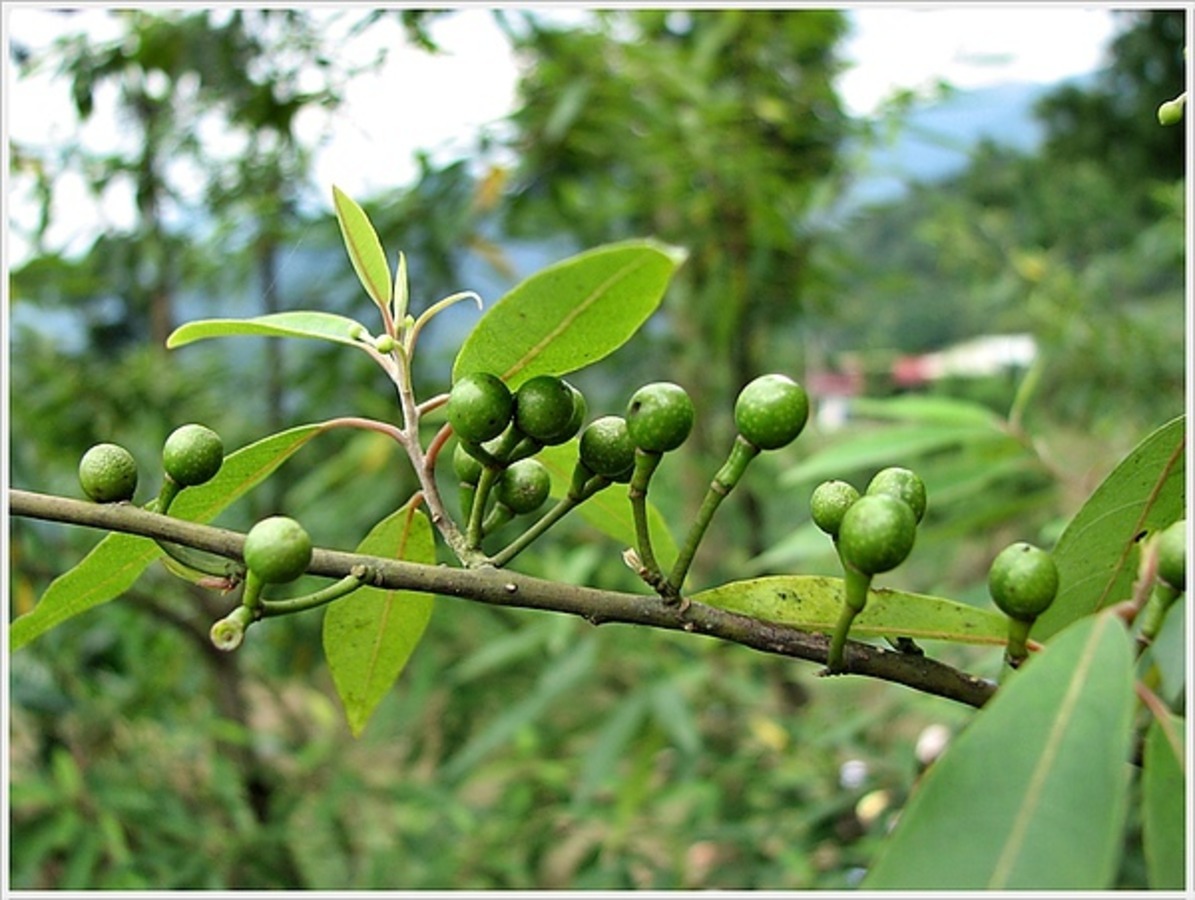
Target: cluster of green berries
x: 191, y: 455
x: 501, y: 430
x: 873, y: 532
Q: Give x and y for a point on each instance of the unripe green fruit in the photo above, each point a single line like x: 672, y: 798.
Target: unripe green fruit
x: 1023, y: 581
x: 771, y: 411
x: 1172, y: 555
x: 605, y: 447
x: 580, y: 411
x: 659, y: 417
x: 828, y: 504
x: 466, y: 467
x: 523, y: 486
x: 877, y: 533
x: 904, y: 484
x: 479, y: 407
x: 277, y: 550
x: 1171, y: 112
x: 108, y: 473
x: 545, y: 407
x: 192, y: 455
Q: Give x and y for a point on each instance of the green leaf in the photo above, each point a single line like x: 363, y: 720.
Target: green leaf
x: 365, y: 250
x: 1163, y: 816
x: 1098, y: 553
x: 884, y: 446
x: 319, y: 325
x: 1033, y: 794
x: 118, y: 560
x: 570, y: 314
x: 925, y: 408
x: 813, y: 603
x: 370, y: 634
x: 609, y: 511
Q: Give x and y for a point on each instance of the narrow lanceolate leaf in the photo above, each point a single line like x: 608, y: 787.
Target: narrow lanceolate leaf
x: 118, y: 560
x: 1033, y: 794
x: 813, y: 603
x: 609, y: 511
x: 1098, y: 553
x: 319, y: 325
x: 365, y: 250
x: 370, y: 634
x: 570, y: 314
x: 1163, y: 805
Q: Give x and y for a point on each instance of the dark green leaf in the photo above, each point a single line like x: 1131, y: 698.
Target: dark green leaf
x: 570, y: 314
x: 813, y: 603
x: 1098, y: 553
x: 365, y: 250
x: 1163, y: 815
x: 370, y: 634
x: 1033, y: 794
x: 118, y: 560
x: 319, y: 325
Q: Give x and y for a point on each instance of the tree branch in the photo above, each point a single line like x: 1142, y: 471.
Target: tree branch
x: 500, y: 587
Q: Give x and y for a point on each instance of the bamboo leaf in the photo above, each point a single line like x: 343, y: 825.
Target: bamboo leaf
x: 1033, y: 794
x: 571, y: 314
x: 118, y: 560
x: 369, y: 635
x: 1098, y: 553
x: 302, y: 324
x: 364, y: 248
x: 813, y: 603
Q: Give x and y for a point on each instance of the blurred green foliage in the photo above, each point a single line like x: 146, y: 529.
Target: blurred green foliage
x: 523, y: 751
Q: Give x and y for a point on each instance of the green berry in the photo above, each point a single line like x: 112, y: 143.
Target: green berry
x: 659, y: 417
x: 877, y: 533
x: 108, y: 473
x: 1023, y: 581
x: 829, y: 503
x: 580, y: 411
x: 1171, y: 112
x: 523, y: 486
x: 1172, y: 555
x: 466, y: 467
x: 605, y: 447
x: 545, y: 408
x: 277, y: 549
x: 904, y: 484
x: 192, y: 455
x: 771, y: 411
x: 479, y: 407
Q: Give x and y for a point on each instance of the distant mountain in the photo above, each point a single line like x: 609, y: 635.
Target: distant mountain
x: 937, y: 139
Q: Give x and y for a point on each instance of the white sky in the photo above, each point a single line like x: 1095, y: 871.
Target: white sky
x: 440, y: 102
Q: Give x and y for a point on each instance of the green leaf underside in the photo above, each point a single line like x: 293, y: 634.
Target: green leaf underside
x: 301, y: 324
x: 118, y: 560
x: 369, y: 635
x: 364, y: 248
x: 1043, y: 774
x: 570, y: 314
x: 609, y: 511
x: 1163, y: 816
x: 813, y: 603
x: 1098, y: 553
